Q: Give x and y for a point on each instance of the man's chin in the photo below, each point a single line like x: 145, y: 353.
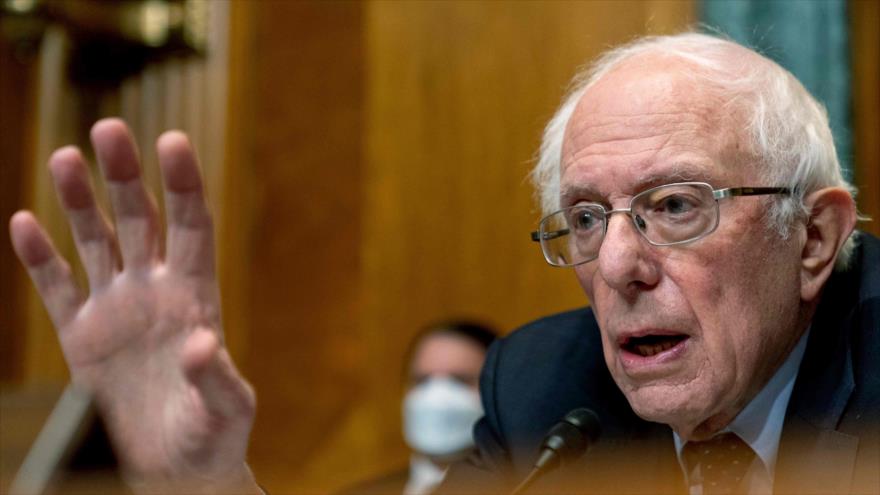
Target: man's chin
x: 683, y: 412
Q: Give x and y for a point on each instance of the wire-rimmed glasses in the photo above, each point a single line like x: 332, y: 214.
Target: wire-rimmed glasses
x: 665, y: 216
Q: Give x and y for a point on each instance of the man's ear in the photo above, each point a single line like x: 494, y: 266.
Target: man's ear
x: 832, y: 219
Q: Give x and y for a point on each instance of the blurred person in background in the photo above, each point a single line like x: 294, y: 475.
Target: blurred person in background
x: 440, y: 406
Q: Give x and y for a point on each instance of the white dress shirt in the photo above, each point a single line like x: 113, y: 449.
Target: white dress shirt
x: 759, y: 425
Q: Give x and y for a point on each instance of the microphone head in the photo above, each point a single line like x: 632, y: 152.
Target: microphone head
x: 569, y: 439
x: 586, y: 421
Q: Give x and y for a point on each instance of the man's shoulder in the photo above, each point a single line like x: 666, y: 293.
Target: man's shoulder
x: 561, y: 352
x: 834, y: 411
x: 864, y: 321
x: 838, y: 384
x: 869, y: 264
x: 849, y: 311
x: 555, y: 331
x: 543, y: 370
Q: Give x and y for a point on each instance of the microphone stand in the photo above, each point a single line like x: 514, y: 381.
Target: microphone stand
x: 566, y: 441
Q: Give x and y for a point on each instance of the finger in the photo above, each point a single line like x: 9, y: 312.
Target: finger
x: 190, y: 244
x: 94, y: 238
x: 208, y: 366
x: 49, y: 272
x: 137, y: 228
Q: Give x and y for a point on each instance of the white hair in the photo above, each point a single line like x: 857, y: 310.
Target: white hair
x: 786, y: 127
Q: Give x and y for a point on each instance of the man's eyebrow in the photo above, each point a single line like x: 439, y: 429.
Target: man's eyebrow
x: 574, y: 192
x: 679, y: 172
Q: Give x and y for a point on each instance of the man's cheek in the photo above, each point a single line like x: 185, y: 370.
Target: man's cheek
x: 587, y: 276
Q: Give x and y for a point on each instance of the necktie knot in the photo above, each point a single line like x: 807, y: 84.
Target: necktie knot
x: 719, y: 464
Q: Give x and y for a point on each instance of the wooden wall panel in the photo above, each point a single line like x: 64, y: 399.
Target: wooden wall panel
x: 458, y: 95
x: 300, y: 122
x: 383, y: 155
x: 17, y: 77
x: 865, y: 48
x: 370, y: 177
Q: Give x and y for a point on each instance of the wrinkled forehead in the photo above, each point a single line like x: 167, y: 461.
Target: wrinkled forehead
x: 649, y: 116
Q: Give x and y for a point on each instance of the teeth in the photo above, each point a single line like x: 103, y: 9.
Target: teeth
x: 648, y: 350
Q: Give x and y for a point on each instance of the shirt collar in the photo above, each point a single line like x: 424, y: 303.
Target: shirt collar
x: 424, y: 476
x: 759, y: 424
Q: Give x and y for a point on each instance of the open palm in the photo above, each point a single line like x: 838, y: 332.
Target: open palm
x: 147, y: 338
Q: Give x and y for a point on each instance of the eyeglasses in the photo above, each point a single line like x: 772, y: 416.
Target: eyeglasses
x: 666, y: 215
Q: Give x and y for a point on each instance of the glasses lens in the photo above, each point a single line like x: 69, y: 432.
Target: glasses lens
x: 675, y: 213
x: 573, y: 235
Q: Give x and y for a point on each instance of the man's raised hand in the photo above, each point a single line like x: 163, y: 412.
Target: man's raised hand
x: 146, y: 339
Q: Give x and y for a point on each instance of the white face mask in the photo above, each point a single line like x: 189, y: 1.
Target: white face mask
x: 439, y: 415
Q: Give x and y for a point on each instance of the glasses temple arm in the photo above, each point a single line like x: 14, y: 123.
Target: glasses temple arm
x: 547, y: 236
x: 749, y: 191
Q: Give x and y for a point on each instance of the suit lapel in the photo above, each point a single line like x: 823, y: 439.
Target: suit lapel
x: 813, y: 456
x: 814, y: 460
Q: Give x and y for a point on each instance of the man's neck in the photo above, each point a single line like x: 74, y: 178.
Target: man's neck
x: 759, y: 424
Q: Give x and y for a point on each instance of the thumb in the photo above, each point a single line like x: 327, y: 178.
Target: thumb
x: 209, y: 368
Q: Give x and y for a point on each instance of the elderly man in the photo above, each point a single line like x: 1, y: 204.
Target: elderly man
x: 692, y: 185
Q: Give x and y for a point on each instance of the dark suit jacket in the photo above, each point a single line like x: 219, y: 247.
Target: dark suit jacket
x: 830, y: 441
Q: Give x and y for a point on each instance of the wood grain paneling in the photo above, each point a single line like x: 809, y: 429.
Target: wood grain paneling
x: 865, y: 47
x: 458, y: 96
x: 17, y: 77
x: 378, y: 160
x: 372, y: 178
x: 301, y: 123
x: 382, y: 156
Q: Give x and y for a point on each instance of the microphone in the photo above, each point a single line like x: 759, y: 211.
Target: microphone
x: 567, y: 441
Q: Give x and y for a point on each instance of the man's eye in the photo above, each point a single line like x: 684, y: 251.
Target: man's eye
x: 675, y: 205
x: 584, y: 220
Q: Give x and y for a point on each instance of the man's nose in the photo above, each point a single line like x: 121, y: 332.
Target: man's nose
x: 625, y: 261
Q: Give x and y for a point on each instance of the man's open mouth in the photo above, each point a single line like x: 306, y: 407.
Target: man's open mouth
x: 649, y: 345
